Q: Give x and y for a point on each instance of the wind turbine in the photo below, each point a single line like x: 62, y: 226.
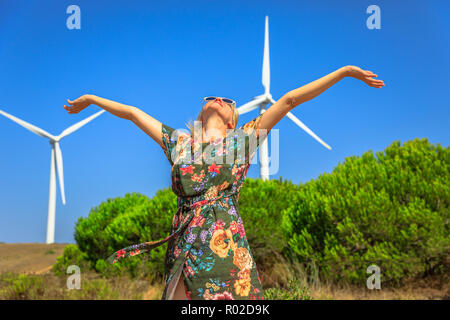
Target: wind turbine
x: 261, y: 101
x: 56, y: 157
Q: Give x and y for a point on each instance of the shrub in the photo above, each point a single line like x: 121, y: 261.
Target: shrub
x: 261, y: 204
x: 121, y: 222
x: 90, y: 232
x: 20, y: 287
x: 72, y: 255
x: 391, y: 211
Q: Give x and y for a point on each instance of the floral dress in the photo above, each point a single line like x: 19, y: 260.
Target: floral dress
x: 208, y: 241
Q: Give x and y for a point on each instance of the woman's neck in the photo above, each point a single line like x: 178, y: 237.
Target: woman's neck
x: 213, y: 129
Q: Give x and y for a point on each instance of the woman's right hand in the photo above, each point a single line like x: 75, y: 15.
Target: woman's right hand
x: 78, y: 104
x: 364, y: 75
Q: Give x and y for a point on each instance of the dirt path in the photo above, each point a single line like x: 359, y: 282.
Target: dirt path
x: 36, y: 258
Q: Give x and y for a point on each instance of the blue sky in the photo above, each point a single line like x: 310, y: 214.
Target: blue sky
x: 164, y: 57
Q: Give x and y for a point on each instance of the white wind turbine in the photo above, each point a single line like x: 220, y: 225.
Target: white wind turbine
x: 261, y: 101
x: 56, y: 157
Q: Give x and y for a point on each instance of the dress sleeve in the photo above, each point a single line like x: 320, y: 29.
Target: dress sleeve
x: 174, y: 143
x: 255, y: 136
x: 169, y: 140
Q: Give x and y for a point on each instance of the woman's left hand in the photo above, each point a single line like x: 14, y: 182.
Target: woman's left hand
x: 78, y: 104
x: 364, y: 75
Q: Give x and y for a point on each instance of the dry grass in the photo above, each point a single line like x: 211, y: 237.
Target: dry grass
x: 93, y: 286
x: 25, y: 274
x: 47, y: 286
x: 280, y: 272
x: 29, y: 257
x: 413, y: 291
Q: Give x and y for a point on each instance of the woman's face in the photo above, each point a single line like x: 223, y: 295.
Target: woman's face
x: 222, y: 109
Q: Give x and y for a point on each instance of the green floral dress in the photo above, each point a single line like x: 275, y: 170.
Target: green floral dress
x: 208, y: 241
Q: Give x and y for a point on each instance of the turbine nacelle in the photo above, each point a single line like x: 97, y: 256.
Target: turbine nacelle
x: 267, y: 96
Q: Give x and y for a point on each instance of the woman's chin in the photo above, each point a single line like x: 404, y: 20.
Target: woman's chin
x: 212, y: 110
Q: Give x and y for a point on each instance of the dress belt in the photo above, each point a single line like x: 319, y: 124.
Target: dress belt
x: 147, y: 246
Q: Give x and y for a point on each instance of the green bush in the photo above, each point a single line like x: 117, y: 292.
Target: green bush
x: 261, y: 204
x: 121, y: 222
x: 90, y: 232
x: 72, y: 255
x: 392, y: 211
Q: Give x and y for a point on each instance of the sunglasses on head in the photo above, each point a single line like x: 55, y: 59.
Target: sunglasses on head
x: 226, y: 100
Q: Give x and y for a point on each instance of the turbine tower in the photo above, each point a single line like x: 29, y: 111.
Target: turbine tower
x: 55, y: 160
x: 261, y: 101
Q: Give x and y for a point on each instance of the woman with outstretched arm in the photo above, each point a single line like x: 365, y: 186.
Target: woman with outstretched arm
x: 208, y: 256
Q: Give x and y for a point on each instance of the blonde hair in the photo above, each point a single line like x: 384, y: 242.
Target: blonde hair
x: 235, y: 119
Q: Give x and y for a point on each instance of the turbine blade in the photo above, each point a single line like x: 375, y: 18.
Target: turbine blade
x: 266, y: 63
x: 28, y: 126
x: 301, y: 125
x: 59, y: 166
x: 78, y: 125
x: 249, y: 106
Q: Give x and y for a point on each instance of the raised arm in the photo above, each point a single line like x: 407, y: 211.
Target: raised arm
x: 148, y: 124
x: 311, y: 90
